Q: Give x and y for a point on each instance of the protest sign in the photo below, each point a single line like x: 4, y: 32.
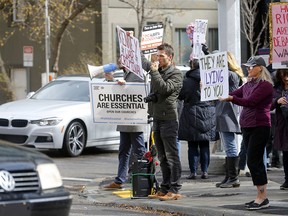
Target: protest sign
x: 119, y: 104
x: 278, y: 17
x: 130, y: 52
x: 199, y: 34
x: 152, y: 37
x: 214, y: 76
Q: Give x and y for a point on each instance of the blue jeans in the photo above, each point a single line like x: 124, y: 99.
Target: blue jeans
x: 243, y: 157
x: 194, y: 156
x: 165, y: 133
x: 228, y: 140
x: 129, y: 141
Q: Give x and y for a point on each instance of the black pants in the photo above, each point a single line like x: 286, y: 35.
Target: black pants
x: 165, y: 134
x: 255, y: 139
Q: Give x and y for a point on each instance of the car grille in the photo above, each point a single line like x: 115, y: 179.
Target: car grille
x: 4, y: 122
x: 18, y: 139
x: 19, y: 123
x: 25, y: 181
x: 14, y: 122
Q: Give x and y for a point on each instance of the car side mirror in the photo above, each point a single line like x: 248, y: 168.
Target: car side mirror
x: 30, y: 94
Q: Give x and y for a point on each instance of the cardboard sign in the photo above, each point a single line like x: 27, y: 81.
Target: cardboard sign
x: 199, y: 34
x: 130, y: 52
x: 119, y: 104
x: 278, y: 17
x: 214, y: 76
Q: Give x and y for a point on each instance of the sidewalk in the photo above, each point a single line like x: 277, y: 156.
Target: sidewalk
x: 201, y: 197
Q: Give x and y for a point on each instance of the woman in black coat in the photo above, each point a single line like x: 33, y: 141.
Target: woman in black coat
x: 197, y: 122
x: 280, y: 98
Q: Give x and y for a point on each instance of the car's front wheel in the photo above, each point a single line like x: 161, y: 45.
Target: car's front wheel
x: 74, y: 139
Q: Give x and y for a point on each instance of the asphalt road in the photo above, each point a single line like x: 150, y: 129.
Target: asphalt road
x: 79, y: 171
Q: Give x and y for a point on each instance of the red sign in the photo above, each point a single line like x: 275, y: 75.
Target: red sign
x: 28, y: 56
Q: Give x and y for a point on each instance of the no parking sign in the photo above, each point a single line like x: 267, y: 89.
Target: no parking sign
x: 28, y: 56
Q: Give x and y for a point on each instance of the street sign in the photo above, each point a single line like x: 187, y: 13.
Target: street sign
x: 28, y: 56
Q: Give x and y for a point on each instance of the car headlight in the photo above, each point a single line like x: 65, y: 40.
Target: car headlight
x: 49, y: 176
x: 46, y: 121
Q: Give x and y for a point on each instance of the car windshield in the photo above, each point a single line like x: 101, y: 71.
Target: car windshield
x: 66, y: 90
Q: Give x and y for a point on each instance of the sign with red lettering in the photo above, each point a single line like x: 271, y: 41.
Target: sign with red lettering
x: 214, y: 76
x: 152, y: 36
x: 130, y: 52
x: 28, y: 56
x: 278, y: 18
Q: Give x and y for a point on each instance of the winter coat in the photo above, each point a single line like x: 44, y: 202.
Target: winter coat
x: 255, y: 96
x: 197, y: 120
x: 227, y: 112
x: 131, y: 77
x: 166, y: 84
x: 281, y: 125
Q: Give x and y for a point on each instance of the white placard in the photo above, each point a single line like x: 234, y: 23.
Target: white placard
x: 119, y: 104
x: 214, y: 76
x: 199, y: 34
x: 130, y: 52
x: 152, y: 37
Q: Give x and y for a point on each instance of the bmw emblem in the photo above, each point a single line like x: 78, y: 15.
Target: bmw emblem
x: 7, y: 181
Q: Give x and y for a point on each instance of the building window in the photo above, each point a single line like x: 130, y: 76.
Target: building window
x: 213, y: 43
x: 183, y: 47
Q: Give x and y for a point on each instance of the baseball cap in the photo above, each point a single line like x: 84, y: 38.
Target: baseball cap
x: 255, y: 60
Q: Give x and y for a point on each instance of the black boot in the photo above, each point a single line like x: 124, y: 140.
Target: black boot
x: 226, y: 174
x: 233, y: 180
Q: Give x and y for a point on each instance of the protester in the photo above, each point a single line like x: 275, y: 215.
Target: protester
x: 197, y: 122
x: 255, y: 97
x: 131, y: 139
x: 280, y: 98
x: 166, y: 83
x: 227, y: 125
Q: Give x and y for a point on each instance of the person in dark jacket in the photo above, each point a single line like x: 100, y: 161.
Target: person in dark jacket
x: 227, y: 125
x: 255, y: 97
x: 166, y: 83
x: 197, y: 122
x: 131, y: 138
x: 280, y: 98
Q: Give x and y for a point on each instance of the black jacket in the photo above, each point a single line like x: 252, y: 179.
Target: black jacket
x: 197, y: 120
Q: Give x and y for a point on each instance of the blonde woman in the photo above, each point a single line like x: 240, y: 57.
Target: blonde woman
x: 227, y: 125
x: 255, y: 97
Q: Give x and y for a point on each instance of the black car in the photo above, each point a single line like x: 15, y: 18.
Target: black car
x: 30, y: 184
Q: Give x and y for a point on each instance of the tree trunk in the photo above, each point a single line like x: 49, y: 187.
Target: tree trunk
x: 6, y: 91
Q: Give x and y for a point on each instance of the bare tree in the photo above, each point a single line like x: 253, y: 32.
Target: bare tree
x: 64, y: 15
x: 250, y: 14
x: 146, y: 10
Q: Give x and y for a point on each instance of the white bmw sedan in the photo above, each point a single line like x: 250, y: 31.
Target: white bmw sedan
x: 57, y: 116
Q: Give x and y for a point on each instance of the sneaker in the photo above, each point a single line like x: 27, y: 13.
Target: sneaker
x: 192, y: 176
x: 256, y: 206
x: 204, y: 175
x: 249, y: 203
x: 113, y: 185
x: 158, y: 195
x: 170, y: 196
x: 284, y: 186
